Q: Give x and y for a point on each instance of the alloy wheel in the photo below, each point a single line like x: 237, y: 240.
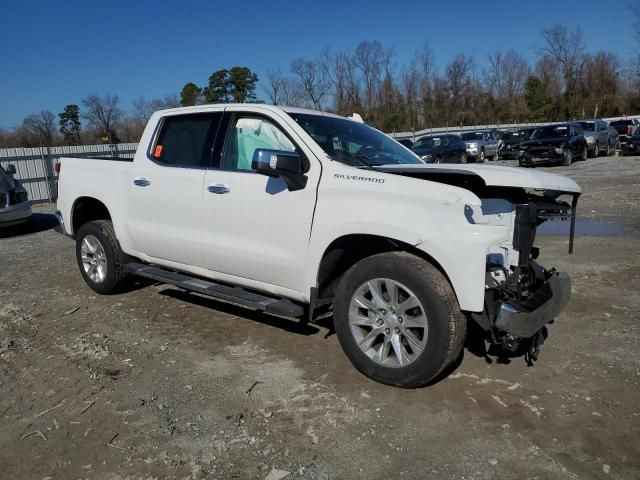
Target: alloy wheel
x: 388, y: 322
x: 94, y: 259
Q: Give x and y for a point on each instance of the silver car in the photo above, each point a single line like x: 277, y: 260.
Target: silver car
x: 481, y: 145
x: 597, y: 134
x: 15, y: 207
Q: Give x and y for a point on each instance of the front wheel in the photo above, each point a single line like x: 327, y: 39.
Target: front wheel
x: 585, y: 154
x: 463, y: 157
x: 99, y: 257
x: 398, y: 320
x: 480, y: 158
x: 567, y: 158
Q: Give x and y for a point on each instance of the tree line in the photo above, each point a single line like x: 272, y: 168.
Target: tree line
x: 564, y: 82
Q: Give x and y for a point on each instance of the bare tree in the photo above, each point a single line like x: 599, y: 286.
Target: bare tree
x: 313, y: 79
x: 274, y: 89
x: 43, y: 125
x: 370, y: 58
x: 505, y: 78
x: 567, y: 48
x: 143, y: 109
x: 103, y: 113
x: 602, y: 84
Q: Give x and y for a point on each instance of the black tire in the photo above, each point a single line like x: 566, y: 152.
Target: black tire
x: 608, y: 151
x: 446, y: 323
x: 437, y: 160
x: 480, y: 157
x: 567, y: 158
x: 116, y: 276
x: 585, y: 154
x: 463, y: 157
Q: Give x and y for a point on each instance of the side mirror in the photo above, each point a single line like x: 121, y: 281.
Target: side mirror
x: 11, y: 169
x: 280, y: 163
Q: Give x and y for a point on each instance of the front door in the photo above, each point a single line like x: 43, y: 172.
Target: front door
x: 254, y: 228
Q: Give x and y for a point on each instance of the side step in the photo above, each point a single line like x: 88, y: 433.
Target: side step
x: 275, y: 306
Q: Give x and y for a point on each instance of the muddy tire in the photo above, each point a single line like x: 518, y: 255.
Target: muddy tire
x: 398, y: 320
x: 100, y: 260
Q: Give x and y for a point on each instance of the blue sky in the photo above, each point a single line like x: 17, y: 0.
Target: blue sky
x: 55, y: 53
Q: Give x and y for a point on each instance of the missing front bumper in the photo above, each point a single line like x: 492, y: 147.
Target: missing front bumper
x: 524, y: 319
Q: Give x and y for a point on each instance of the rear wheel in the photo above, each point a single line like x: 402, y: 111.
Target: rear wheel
x: 99, y: 257
x: 398, y: 320
x: 608, y: 151
x: 567, y: 158
x: 437, y: 160
x: 585, y: 154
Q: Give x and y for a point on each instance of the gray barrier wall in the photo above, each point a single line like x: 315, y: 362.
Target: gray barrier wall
x: 35, y: 166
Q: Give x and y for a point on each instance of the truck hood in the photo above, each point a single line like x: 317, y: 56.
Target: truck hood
x: 491, y: 176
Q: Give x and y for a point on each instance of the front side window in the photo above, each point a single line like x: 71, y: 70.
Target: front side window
x: 186, y: 140
x: 353, y: 143
x: 247, y: 134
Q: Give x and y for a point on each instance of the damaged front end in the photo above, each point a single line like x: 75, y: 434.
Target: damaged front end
x: 521, y: 296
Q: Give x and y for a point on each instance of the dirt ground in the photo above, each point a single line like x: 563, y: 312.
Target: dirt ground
x: 158, y: 383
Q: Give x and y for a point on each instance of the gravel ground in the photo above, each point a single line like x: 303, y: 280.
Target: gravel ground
x: 158, y: 383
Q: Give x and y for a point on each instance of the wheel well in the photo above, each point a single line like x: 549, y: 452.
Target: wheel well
x: 87, y: 209
x: 346, y: 251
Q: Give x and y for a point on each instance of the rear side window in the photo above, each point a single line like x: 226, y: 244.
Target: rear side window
x: 187, y: 140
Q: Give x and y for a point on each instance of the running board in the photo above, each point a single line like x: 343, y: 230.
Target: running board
x: 275, y: 306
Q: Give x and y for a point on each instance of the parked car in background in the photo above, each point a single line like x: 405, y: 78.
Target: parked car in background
x: 626, y: 128
x: 447, y: 148
x: 596, y: 133
x: 554, y: 144
x: 14, y: 201
x: 614, y: 138
x: 632, y: 145
x: 480, y: 145
x: 511, y: 142
x: 406, y: 142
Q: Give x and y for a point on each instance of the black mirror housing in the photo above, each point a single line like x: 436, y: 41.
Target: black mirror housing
x: 11, y: 169
x: 280, y: 163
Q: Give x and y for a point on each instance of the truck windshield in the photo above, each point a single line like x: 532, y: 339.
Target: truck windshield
x: 472, y: 136
x: 347, y: 141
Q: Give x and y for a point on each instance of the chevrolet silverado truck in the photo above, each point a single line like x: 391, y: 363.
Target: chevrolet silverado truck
x: 305, y: 214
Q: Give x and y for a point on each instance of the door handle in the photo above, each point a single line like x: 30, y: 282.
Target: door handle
x: 141, y: 182
x: 218, y: 188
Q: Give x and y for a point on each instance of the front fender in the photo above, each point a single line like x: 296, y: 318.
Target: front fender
x: 427, y: 215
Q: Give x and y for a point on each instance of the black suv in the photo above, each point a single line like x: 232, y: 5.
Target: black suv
x: 554, y: 144
x: 447, y: 148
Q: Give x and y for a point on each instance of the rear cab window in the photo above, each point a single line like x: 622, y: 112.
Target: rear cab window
x: 186, y: 140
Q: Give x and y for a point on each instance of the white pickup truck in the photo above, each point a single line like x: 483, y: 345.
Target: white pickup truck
x: 301, y: 214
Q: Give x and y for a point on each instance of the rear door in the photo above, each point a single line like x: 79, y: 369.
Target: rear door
x: 254, y: 228
x: 167, y: 187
